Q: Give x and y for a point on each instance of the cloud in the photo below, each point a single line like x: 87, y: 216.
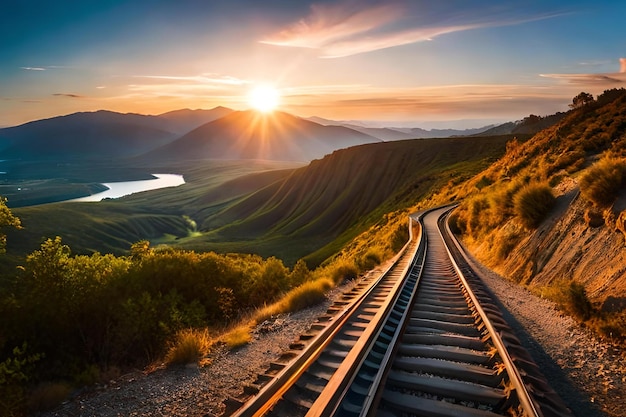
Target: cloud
x: 587, y: 78
x: 327, y: 24
x: 349, y: 28
x: 33, y: 68
x: 68, y: 95
x: 358, y: 46
x: 207, y: 78
x: 622, y: 63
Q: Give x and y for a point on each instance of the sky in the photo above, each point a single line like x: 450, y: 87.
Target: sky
x: 452, y: 63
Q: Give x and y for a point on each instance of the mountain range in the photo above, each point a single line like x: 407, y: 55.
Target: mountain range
x: 99, y: 135
x: 253, y: 135
x: 219, y: 133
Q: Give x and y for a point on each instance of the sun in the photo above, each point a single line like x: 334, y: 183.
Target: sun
x: 264, y: 98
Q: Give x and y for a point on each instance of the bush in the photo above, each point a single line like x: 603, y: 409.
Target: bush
x: 371, y: 259
x: 344, y: 271
x: 504, y: 243
x: 306, y: 295
x: 601, y: 183
x: 532, y: 203
x: 571, y: 297
x: 577, y: 302
x: 188, y: 346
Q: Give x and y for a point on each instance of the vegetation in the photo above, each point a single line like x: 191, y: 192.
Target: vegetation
x: 602, y: 182
x: 189, y: 345
x: 532, y: 203
x: 516, y: 192
x: 71, y: 318
x: 581, y: 100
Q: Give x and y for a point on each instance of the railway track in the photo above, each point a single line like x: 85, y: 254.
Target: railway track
x: 423, y: 339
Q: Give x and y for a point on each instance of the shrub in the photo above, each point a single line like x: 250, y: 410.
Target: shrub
x: 344, y: 271
x: 306, y: 295
x: 532, y: 203
x: 188, y: 346
x: 571, y: 297
x: 237, y: 337
x: 504, y: 243
x: 371, y: 259
x: 601, y: 183
x: 577, y: 302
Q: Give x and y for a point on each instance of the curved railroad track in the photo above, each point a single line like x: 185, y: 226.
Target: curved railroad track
x: 423, y: 339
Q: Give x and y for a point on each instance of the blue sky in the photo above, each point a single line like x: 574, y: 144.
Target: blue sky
x: 399, y: 62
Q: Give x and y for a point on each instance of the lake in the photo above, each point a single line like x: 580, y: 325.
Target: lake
x: 120, y: 189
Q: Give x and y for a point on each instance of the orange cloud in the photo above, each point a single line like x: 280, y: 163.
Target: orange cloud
x: 342, y: 30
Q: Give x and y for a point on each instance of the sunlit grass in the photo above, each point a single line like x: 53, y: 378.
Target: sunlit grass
x: 238, y: 336
x: 601, y: 183
x: 189, y: 346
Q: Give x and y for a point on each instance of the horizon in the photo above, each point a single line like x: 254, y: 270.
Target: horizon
x: 393, y: 63
x: 461, y: 124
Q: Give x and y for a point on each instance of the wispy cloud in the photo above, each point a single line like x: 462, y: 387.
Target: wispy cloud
x: 389, y: 40
x: 45, y: 68
x: 508, y: 101
x: 68, y: 95
x: 327, y: 24
x: 208, y: 78
x: 589, y: 78
x: 349, y: 28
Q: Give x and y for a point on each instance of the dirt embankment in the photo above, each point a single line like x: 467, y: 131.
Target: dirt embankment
x: 566, y: 248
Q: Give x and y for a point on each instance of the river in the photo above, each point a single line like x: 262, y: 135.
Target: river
x: 120, y: 189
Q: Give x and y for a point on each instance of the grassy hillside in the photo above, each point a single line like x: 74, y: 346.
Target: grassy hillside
x: 546, y: 214
x: 262, y: 207
x: 161, y: 215
x: 318, y: 208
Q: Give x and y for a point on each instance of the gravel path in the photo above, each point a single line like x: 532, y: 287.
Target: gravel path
x: 589, y: 375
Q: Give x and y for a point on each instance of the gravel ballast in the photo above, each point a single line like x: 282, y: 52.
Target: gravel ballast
x: 588, y: 374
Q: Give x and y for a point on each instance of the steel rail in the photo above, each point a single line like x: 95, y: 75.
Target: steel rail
x: 329, y: 400
x: 398, y: 345
x: 515, y: 377
x: 271, y: 393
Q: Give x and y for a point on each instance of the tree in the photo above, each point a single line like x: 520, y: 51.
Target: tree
x: 581, y: 100
x: 6, y: 219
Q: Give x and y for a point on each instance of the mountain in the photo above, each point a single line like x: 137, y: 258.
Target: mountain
x: 529, y: 125
x: 253, y: 135
x: 185, y: 120
x: 399, y: 133
x: 101, y: 134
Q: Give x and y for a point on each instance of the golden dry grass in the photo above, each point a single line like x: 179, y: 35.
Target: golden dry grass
x: 188, y: 346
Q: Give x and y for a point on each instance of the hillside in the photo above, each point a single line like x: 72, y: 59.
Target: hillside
x: 331, y: 200
x: 251, y: 135
x: 576, y: 242
x: 262, y: 207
